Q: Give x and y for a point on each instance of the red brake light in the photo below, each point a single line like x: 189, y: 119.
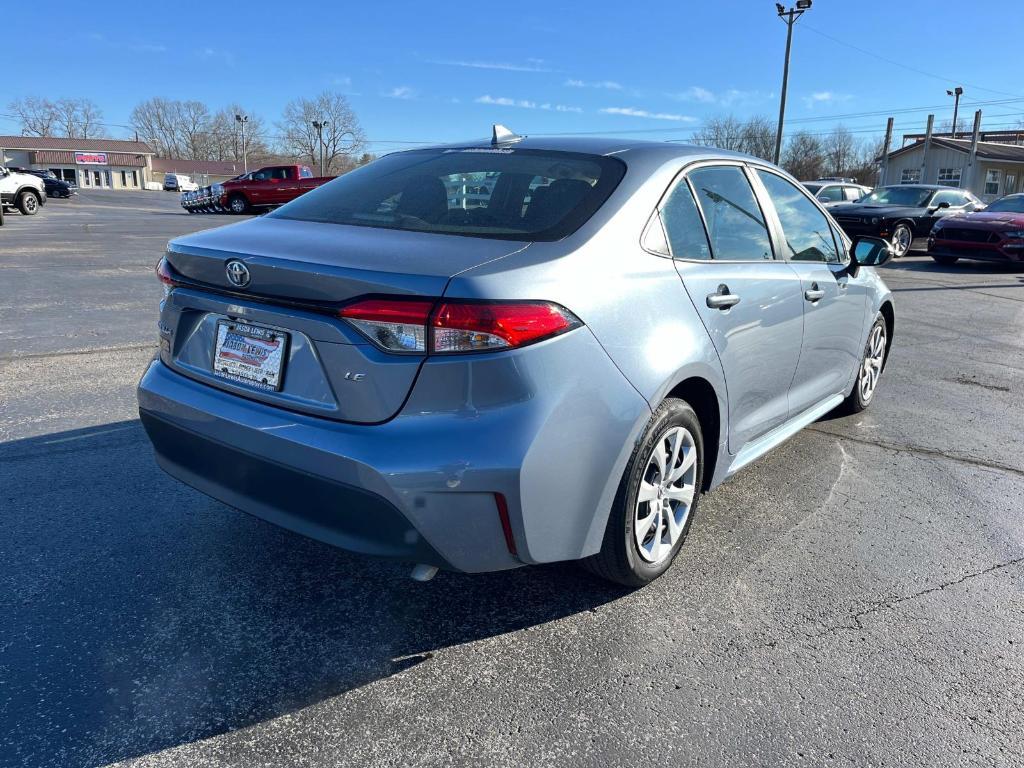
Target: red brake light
x: 163, y: 271
x: 474, y: 327
x: 401, y: 325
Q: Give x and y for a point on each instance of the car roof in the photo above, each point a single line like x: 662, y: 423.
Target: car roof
x: 605, y: 145
x: 923, y: 186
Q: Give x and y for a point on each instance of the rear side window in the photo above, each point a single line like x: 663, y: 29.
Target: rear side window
x: 853, y: 194
x: 735, y: 223
x: 683, y: 227
x: 808, y: 236
x: 499, y: 193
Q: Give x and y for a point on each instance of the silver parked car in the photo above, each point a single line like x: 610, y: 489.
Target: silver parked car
x: 553, y: 368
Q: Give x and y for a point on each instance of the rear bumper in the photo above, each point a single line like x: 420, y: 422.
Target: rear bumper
x: 549, y: 427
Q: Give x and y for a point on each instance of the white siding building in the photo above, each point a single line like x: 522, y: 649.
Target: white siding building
x: 992, y: 171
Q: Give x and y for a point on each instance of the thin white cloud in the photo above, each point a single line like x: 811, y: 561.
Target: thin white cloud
x: 141, y: 47
x: 401, y: 92
x: 610, y: 85
x: 505, y: 101
x: 531, y: 65
x: 728, y: 97
x: 825, y: 97
x: 633, y: 112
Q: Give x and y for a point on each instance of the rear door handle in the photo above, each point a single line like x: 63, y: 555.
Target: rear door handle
x: 814, y: 293
x: 722, y: 299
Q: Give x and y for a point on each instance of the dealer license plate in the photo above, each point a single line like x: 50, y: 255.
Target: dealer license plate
x: 250, y: 354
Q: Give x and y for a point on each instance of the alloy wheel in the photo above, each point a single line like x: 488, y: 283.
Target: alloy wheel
x: 902, y: 239
x: 871, y: 368
x: 666, y: 495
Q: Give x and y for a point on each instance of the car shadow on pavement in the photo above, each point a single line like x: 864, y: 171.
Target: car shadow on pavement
x: 963, y: 267
x: 138, y: 614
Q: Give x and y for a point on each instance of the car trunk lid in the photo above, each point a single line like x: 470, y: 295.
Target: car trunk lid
x: 299, y: 274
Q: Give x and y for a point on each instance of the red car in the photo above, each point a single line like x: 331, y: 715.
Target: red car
x: 994, y: 234
x: 266, y: 188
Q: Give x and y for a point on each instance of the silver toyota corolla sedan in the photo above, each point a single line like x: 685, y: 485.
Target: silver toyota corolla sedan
x: 514, y: 351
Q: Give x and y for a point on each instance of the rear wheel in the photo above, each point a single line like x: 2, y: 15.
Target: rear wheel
x: 28, y: 203
x: 238, y: 204
x: 656, y: 501
x: 946, y: 261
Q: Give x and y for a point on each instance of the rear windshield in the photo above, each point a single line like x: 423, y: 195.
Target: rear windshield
x: 501, y: 193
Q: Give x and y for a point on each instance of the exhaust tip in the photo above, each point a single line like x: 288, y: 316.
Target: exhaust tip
x: 422, y: 572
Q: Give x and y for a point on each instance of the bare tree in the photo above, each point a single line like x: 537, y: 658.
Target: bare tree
x: 38, y: 117
x: 758, y: 137
x: 723, y: 132
x: 342, y: 134
x: 804, y: 157
x: 78, y: 118
x: 840, y: 151
x: 224, y: 140
x: 156, y: 122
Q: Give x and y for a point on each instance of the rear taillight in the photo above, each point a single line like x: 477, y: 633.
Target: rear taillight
x: 395, y: 325
x: 163, y: 271
x: 416, y: 325
x: 477, y: 327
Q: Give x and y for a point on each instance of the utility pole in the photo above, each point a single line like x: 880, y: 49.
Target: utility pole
x: 320, y: 125
x: 956, y: 93
x: 790, y: 18
x: 242, y: 120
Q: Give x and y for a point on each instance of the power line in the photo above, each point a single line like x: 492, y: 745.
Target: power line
x: 900, y: 64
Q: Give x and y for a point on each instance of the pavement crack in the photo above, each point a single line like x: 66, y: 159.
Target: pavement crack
x: 891, y: 604
x: 920, y: 450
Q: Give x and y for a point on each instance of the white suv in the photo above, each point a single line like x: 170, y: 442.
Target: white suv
x: 21, y: 190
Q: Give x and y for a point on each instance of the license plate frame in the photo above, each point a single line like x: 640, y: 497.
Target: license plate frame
x: 255, y: 356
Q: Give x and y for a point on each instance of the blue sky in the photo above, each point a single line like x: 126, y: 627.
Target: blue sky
x: 445, y: 71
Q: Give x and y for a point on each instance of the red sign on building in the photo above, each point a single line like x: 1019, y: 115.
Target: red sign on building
x: 91, y: 158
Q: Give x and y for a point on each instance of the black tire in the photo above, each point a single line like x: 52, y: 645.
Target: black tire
x: 946, y: 261
x: 28, y: 203
x: 619, y: 559
x: 856, y: 401
x: 238, y: 204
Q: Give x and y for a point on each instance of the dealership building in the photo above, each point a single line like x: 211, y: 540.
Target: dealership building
x: 89, y: 163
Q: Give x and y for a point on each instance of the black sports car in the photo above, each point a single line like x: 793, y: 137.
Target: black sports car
x: 904, y: 212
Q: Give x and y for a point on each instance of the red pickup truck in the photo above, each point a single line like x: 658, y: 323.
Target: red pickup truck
x: 269, y: 186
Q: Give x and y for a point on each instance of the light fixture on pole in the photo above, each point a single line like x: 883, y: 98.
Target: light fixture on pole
x: 242, y: 120
x: 789, y: 17
x: 956, y: 93
x: 319, y: 125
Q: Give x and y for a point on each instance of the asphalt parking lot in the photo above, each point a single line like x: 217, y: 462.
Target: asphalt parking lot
x: 854, y: 598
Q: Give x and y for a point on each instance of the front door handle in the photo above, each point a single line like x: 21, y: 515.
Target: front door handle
x: 722, y: 299
x: 814, y: 293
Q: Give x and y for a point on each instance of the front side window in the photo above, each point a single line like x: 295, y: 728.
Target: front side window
x: 831, y: 195
x: 992, y: 182
x: 497, y: 193
x: 735, y: 223
x: 910, y: 176
x: 683, y: 228
x: 262, y: 175
x: 808, y: 236
x: 955, y: 199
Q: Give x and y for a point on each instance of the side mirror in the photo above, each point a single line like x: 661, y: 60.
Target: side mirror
x: 940, y: 206
x: 868, y: 252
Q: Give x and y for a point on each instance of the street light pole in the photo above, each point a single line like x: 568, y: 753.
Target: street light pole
x: 789, y: 17
x: 320, y: 125
x: 242, y: 120
x: 956, y: 93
